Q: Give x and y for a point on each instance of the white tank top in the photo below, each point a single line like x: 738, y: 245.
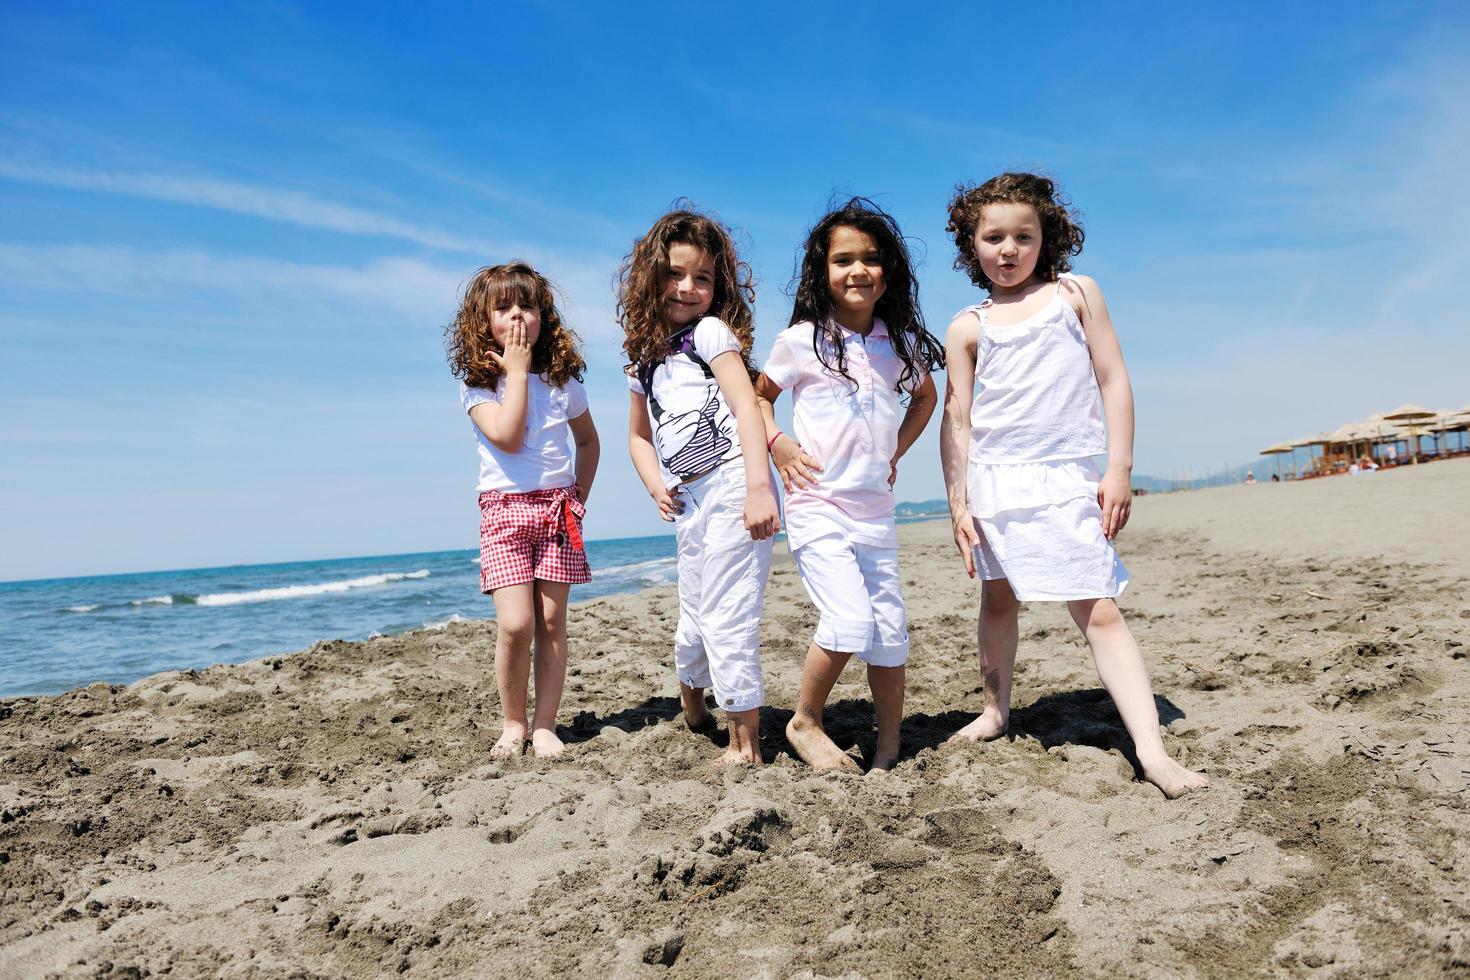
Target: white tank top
x: 1036, y: 396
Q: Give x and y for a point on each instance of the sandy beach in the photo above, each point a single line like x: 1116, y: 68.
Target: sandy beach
x: 335, y: 812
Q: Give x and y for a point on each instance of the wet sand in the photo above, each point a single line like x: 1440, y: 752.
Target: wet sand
x: 335, y: 812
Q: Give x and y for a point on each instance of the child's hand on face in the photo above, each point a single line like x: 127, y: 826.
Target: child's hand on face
x: 797, y: 468
x: 669, y: 504
x: 517, y: 356
x: 762, y: 519
x: 1115, y: 497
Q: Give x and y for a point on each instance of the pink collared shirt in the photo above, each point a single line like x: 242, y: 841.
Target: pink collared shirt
x: 849, y: 427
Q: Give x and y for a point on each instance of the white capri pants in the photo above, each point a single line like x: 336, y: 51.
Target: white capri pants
x: 722, y: 589
x: 855, y: 587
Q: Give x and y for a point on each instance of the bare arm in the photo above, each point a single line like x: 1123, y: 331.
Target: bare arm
x: 1114, y: 495
x: 954, y: 436
x: 762, y: 519
x: 645, y: 458
x: 588, y: 450
x: 796, y: 467
x: 504, y: 423
x: 921, y: 409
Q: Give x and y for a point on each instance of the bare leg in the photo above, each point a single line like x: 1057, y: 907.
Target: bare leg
x: 515, y: 619
x: 696, y: 712
x: 1120, y: 667
x: 745, y: 737
x: 551, y: 665
x: 887, y: 685
x: 804, y: 731
x: 997, y: 639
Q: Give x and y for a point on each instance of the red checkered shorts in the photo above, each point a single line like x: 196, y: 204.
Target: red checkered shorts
x: 526, y: 536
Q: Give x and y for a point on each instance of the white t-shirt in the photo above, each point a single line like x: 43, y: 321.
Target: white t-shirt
x: 694, y: 430
x: 849, y: 427
x: 544, y: 460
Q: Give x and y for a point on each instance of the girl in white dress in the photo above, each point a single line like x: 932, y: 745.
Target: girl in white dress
x: 1033, y: 373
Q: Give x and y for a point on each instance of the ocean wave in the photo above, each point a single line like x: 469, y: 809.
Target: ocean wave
x: 163, y: 600
x: 81, y: 609
x: 304, y: 591
x: 439, y: 624
x: 656, y: 571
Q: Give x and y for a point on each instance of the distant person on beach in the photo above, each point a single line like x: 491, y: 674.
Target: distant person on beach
x: 855, y: 352
x: 697, y: 442
x: 1250, y: 478
x: 520, y: 381
x: 1034, y: 371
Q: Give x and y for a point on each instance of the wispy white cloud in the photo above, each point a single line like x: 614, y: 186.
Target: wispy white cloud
x: 292, y: 207
x: 408, y: 287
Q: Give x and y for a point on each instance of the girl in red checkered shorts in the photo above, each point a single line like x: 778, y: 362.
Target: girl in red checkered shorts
x: 520, y: 374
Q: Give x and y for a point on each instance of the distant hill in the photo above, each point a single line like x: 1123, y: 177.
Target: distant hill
x: 922, y: 508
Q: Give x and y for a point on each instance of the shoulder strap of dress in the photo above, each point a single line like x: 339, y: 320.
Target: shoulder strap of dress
x: 979, y: 309
x: 1061, y: 278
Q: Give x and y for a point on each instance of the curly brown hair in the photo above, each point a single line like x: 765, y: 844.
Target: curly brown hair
x: 644, y: 272
x: 1061, y: 228
x: 468, y: 339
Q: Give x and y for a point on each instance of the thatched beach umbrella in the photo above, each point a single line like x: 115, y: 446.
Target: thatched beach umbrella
x: 1444, y: 422
x: 1410, y: 413
x: 1321, y: 439
x: 1277, y: 450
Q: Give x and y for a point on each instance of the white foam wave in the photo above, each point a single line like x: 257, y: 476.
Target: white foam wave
x: 656, y: 566
x: 303, y: 591
x: 157, y: 600
x: 439, y: 624
x: 82, y: 609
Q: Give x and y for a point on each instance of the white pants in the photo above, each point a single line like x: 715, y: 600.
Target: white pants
x: 722, y: 588
x: 855, y: 588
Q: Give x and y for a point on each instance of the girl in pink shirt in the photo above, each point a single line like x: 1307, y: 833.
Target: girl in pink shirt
x: 855, y: 348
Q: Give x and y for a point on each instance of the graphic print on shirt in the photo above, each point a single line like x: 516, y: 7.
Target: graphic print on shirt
x: 694, y: 441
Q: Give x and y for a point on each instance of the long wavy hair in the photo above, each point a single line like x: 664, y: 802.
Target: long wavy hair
x: 1061, y: 226
x: 898, y: 307
x: 643, y: 281
x: 469, y: 341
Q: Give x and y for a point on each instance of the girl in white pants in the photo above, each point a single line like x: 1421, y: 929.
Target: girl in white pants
x: 856, y: 344
x: 697, y: 441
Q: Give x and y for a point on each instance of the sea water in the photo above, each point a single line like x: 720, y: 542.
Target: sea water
x: 57, y: 634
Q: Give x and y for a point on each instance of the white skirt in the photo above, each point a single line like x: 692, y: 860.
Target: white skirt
x: 1041, y: 528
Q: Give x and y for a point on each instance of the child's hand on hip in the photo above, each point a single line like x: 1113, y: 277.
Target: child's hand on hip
x: 1115, y: 497
x: 762, y: 519
x: 797, y: 468
x: 669, y: 504
x: 516, y: 359
x: 967, y: 539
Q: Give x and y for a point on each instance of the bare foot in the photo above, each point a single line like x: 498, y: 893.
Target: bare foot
x: 1172, y: 778
x: 990, y: 726
x: 545, y: 743
x: 734, y: 757
x: 512, y: 741
x: 883, y: 760
x: 696, y: 713
x: 814, y: 747
x: 701, y: 723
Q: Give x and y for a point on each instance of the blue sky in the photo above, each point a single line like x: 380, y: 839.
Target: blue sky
x: 231, y: 234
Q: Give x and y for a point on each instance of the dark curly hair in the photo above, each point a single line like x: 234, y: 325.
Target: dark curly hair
x: 898, y: 307
x: 1061, y: 230
x: 469, y: 341
x: 642, y: 281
